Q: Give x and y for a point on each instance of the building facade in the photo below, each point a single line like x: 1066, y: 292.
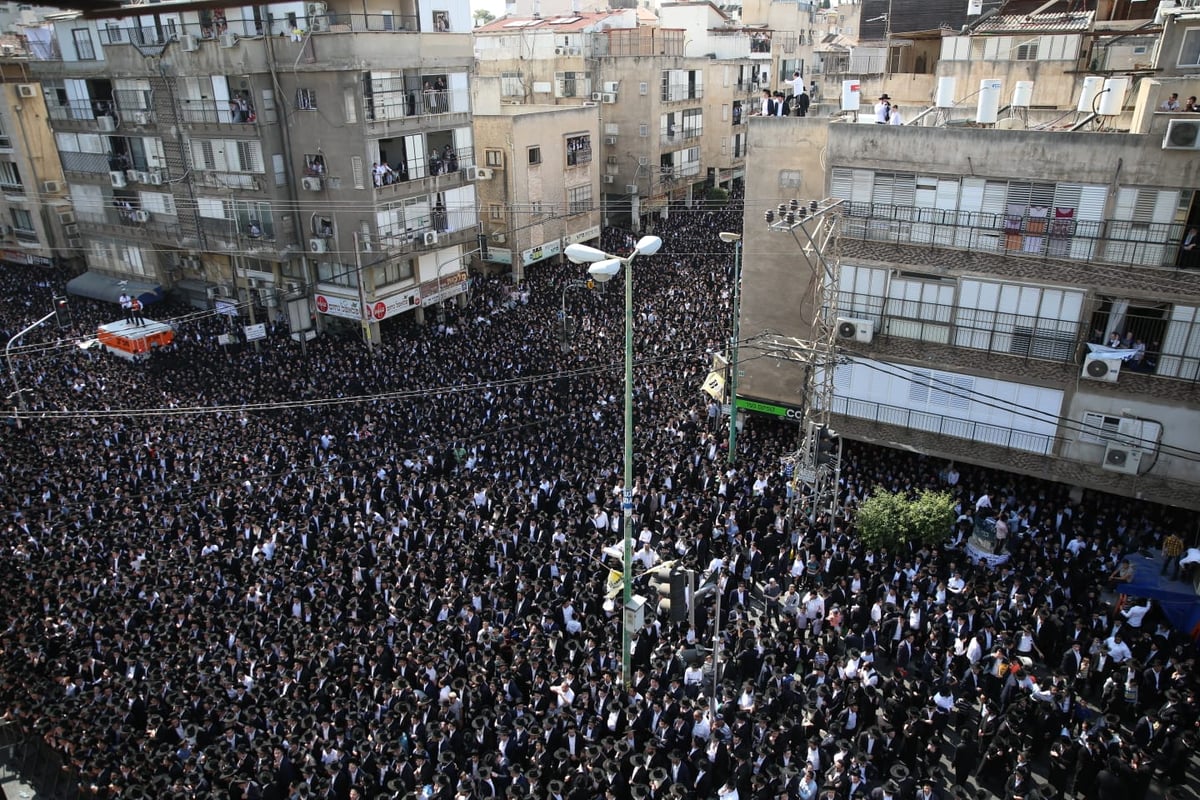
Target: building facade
x: 239, y: 158
x: 975, y: 295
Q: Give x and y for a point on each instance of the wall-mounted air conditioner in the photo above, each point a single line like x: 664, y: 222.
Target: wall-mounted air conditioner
x: 499, y: 238
x: 215, y: 292
x: 106, y: 123
x: 560, y: 51
x: 117, y: 177
x: 1099, y: 368
x: 1182, y: 134
x: 612, y: 86
x: 189, y: 43
x: 51, y: 187
x: 430, y: 238
x: 133, y: 176
x: 596, y: 97
x: 610, y: 140
x: 317, y: 246
x: 229, y: 40
x: 610, y: 178
x: 631, y: 188
x: 140, y: 215
x: 1123, y: 458
x: 142, y: 118
x: 27, y: 90
x: 858, y: 330
x: 155, y: 177
x: 608, y: 97
x: 311, y: 184
x: 471, y: 173
x: 483, y: 174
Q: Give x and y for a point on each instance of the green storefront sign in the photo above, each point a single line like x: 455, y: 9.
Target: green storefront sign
x: 773, y: 409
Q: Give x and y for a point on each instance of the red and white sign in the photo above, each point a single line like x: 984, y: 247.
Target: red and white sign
x: 339, y: 306
x: 396, y: 304
x: 379, y: 310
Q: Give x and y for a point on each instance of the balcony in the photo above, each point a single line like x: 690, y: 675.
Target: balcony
x: 84, y: 116
x: 430, y: 184
x: 1110, y: 241
x: 679, y: 137
x: 129, y: 222
x: 207, y: 115
x: 399, y: 112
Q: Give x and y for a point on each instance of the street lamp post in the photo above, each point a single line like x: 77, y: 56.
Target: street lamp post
x: 736, y: 238
x: 604, y: 267
x: 12, y: 372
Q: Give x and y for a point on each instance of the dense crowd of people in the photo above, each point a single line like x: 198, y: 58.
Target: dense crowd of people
x: 305, y: 593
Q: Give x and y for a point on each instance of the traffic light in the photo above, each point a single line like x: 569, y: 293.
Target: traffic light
x: 671, y: 586
x: 827, y: 446
x: 62, y: 312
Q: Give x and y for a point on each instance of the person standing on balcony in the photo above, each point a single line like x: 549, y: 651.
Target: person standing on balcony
x: 883, y: 110
x: 894, y: 117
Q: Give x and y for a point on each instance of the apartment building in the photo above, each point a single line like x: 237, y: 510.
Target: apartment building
x: 36, y: 223
x: 539, y: 179
x: 979, y: 275
x: 671, y: 101
x: 239, y: 156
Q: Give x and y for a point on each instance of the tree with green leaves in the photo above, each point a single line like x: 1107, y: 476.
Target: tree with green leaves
x: 891, y: 519
x: 483, y: 17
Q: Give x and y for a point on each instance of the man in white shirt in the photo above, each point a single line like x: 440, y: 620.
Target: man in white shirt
x: 1135, y: 614
x: 883, y: 109
x: 1117, y: 649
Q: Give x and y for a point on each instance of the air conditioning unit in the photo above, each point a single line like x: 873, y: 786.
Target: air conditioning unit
x: 483, y: 174
x: 612, y: 86
x: 311, y: 184
x: 213, y: 292
x: 1099, y: 368
x: 1182, y: 134
x: 499, y: 238
x: 317, y: 245
x: 106, y: 123
x: 596, y: 97
x: 291, y: 287
x: 608, y: 97
x: 430, y: 238
x: 631, y: 188
x: 268, y: 297
x: 858, y: 330
x: 189, y: 43
x: 142, y: 118
x: 51, y: 187
x: 610, y: 178
x: 155, y: 177
x: 1123, y: 458
x: 229, y: 40
x: 27, y: 90
x: 118, y: 179
x: 611, y: 159
x: 574, y: 51
x: 133, y: 176
x: 471, y: 173
x: 140, y: 215
x: 610, y: 140
x: 71, y: 230
x: 317, y: 9
x: 560, y: 51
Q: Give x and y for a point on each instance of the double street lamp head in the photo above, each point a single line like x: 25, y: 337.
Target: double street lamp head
x: 726, y: 236
x: 585, y: 254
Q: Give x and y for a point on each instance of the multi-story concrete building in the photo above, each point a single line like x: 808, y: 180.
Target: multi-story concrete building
x: 36, y: 222
x: 978, y: 271
x: 539, y: 178
x: 241, y: 157
x: 671, y: 101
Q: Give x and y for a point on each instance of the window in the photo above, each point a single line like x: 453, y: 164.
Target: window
x: 496, y: 210
x: 579, y: 150
x: 394, y: 271
x: 643, y: 88
x: 5, y: 142
x: 643, y: 130
x: 511, y: 84
x: 306, y: 99
x: 790, y: 179
x: 22, y: 220
x: 1189, y: 50
x: 227, y: 155
x: 494, y: 158
x: 535, y: 155
x: 85, y: 50
x: 335, y: 273
x: 682, y: 84
x: 579, y: 199
x: 10, y: 176
x: 572, y: 84
x: 1026, y: 52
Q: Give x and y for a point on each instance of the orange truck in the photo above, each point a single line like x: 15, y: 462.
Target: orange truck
x: 134, y: 342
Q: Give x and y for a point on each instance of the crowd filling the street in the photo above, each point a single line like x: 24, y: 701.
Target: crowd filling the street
x: 274, y: 571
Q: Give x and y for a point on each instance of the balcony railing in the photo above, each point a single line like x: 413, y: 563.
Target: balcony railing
x: 345, y: 23
x: 1114, y: 241
x: 414, y: 104
x: 209, y: 112
x: 945, y: 425
x: 397, y: 188
x: 680, y: 136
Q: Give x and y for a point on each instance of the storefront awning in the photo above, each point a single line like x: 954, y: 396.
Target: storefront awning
x: 107, y: 288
